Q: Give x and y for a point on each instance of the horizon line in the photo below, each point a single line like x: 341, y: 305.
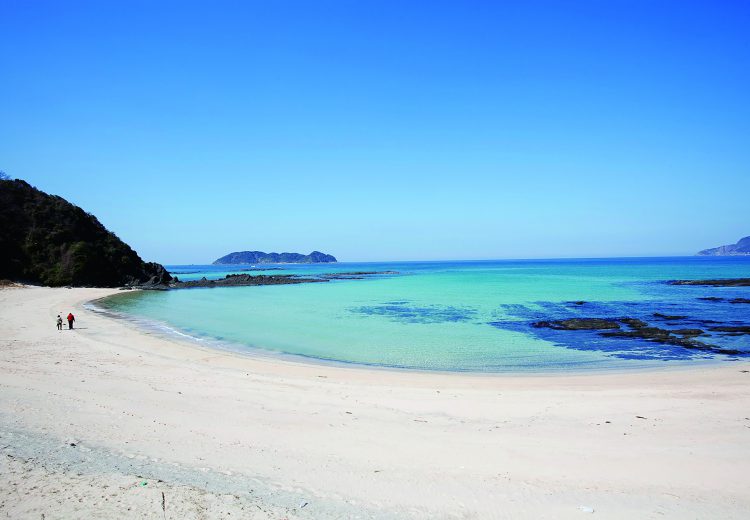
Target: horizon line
x: 487, y: 259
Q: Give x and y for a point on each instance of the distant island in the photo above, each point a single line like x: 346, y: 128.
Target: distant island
x: 741, y: 248
x: 46, y: 240
x: 259, y: 257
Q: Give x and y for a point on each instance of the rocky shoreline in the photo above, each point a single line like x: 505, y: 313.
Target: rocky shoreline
x: 244, y: 280
x: 675, y: 330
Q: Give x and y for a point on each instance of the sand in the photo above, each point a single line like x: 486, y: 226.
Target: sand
x: 98, y: 422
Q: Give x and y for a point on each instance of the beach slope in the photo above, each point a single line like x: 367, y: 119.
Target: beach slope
x: 109, y: 421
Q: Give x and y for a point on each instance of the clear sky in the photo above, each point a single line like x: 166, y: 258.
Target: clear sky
x: 386, y: 130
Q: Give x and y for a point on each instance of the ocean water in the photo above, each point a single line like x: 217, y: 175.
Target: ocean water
x: 455, y: 316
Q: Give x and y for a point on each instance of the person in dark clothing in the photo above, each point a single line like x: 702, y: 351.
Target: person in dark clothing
x: 59, y: 322
x: 71, y: 319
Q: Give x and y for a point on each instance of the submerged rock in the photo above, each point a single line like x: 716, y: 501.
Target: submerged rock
x: 667, y: 317
x: 578, y: 324
x: 636, y: 330
x: 737, y: 329
x: 650, y: 333
x: 634, y: 323
x: 355, y: 275
x: 667, y: 337
x: 717, y: 299
x: 639, y: 329
x: 722, y: 282
x: 688, y: 332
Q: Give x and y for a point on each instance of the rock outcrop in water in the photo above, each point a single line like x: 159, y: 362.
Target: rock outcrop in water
x: 741, y: 248
x: 638, y: 329
x: 578, y: 324
x: 733, y: 301
x: 259, y: 257
x: 355, y: 275
x: 243, y: 280
x: 721, y: 282
x: 46, y: 240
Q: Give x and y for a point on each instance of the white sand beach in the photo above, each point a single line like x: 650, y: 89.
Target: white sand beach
x: 105, y: 420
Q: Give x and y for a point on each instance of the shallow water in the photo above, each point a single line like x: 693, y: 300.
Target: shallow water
x: 456, y: 316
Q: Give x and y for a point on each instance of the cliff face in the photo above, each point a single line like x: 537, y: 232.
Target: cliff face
x: 742, y: 247
x: 46, y: 240
x: 259, y: 257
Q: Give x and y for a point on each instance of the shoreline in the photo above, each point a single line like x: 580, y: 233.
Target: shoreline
x: 171, y: 333
x: 348, y: 440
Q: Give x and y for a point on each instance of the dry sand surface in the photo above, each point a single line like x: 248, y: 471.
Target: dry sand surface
x: 106, y: 421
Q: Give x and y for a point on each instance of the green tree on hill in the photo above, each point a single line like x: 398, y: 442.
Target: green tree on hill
x: 45, y: 239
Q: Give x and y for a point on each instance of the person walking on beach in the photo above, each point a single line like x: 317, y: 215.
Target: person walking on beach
x: 59, y: 322
x: 71, y: 319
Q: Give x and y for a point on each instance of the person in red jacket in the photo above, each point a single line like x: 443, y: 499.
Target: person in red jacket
x: 71, y: 319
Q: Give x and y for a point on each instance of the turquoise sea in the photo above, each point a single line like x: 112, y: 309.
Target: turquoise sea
x: 471, y: 316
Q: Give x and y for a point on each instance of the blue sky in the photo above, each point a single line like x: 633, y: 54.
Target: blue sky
x: 386, y: 130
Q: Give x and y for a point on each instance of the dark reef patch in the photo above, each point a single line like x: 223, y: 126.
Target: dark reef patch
x: 732, y: 301
x: 734, y: 329
x: 628, y: 330
x: 355, y: 275
x: 578, y: 324
x: 402, y: 312
x: 667, y: 317
x: 721, y: 282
